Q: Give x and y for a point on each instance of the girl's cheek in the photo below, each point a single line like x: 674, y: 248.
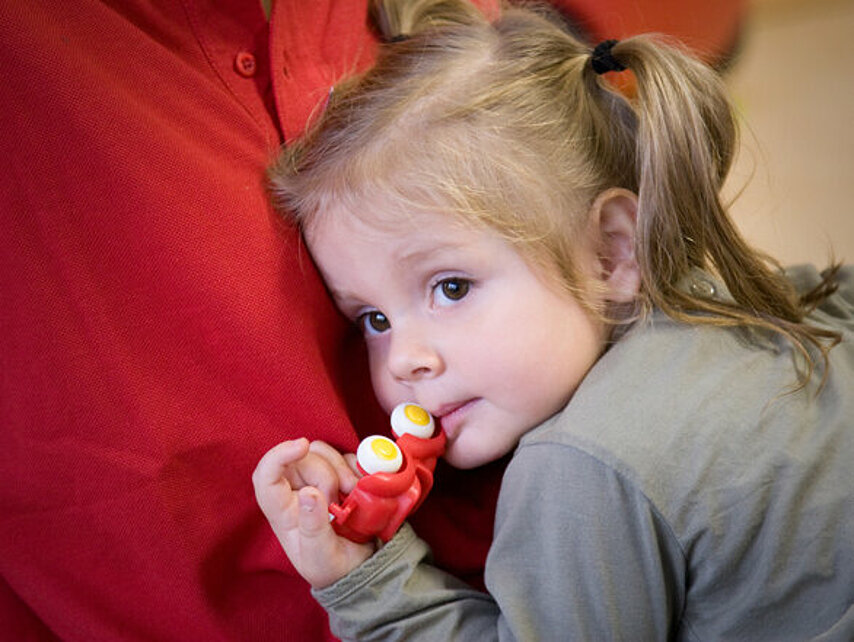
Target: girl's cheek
x: 383, y: 386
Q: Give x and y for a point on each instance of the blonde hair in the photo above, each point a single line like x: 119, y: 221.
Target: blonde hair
x: 504, y: 123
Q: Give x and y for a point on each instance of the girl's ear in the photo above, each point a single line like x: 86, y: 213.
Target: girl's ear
x: 613, y: 220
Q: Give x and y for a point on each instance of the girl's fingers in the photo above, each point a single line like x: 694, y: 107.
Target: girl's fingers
x: 344, y: 471
x: 293, y: 484
x: 324, y: 556
x: 297, y: 464
x: 272, y: 465
x: 270, y: 478
x: 351, y: 460
x: 313, y: 515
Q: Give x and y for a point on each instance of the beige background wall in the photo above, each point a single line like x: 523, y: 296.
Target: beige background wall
x: 793, y: 83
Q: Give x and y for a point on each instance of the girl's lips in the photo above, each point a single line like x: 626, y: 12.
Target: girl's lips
x: 451, y: 416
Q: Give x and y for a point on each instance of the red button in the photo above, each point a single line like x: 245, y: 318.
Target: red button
x: 245, y: 64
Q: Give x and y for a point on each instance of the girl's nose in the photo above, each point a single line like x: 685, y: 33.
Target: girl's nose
x: 411, y: 358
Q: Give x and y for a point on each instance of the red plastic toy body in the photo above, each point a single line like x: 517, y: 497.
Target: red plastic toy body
x: 380, y: 502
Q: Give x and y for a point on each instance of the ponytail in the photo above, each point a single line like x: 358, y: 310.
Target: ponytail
x: 685, y: 142
x: 507, y: 123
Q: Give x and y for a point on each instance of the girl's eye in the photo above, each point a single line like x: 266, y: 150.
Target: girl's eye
x: 373, y: 322
x: 453, y: 289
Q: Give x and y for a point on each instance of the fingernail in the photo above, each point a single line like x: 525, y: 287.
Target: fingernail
x: 307, y: 503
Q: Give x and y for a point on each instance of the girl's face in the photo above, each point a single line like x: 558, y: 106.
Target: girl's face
x: 458, y: 322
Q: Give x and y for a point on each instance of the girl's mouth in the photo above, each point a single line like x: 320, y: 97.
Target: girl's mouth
x: 451, y: 416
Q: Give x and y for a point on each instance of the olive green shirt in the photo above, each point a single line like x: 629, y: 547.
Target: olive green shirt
x: 682, y: 494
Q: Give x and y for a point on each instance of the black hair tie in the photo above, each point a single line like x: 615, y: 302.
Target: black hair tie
x: 401, y: 37
x: 603, y: 60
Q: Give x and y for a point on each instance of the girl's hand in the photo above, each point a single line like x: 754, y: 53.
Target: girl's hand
x: 294, y: 484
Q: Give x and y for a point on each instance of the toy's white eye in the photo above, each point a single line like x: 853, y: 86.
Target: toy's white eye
x: 378, y: 454
x: 412, y: 419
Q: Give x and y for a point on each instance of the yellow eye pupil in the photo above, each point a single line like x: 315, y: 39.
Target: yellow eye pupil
x: 383, y: 448
x: 416, y: 414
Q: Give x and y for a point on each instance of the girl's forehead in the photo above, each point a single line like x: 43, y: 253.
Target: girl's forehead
x: 380, y: 219
x: 409, y: 239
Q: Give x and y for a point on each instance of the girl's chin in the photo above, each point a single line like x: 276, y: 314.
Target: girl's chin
x: 463, y: 464
x: 466, y: 458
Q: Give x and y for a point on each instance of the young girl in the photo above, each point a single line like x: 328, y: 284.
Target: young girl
x: 546, y: 266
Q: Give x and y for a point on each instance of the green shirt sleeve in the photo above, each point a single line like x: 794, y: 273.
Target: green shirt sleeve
x: 398, y: 595
x: 578, y: 554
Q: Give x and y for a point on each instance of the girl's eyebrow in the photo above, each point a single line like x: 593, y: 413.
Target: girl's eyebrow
x: 428, y: 251
x: 345, y: 300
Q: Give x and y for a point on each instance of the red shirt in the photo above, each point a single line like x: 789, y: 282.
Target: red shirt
x: 161, y: 327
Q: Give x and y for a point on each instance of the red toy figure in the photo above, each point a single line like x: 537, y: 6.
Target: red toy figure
x: 398, y: 476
